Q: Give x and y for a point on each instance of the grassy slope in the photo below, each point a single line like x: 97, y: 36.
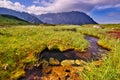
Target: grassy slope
x: 11, y: 20
x: 19, y: 45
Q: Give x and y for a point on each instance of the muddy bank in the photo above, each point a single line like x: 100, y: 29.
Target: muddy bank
x: 115, y: 33
x: 69, y: 58
x: 51, y: 73
x: 94, y: 52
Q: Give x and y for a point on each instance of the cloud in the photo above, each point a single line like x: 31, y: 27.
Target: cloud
x: 60, y: 6
x: 15, y: 6
x: 54, y: 6
x: 44, y: 3
x: 71, y: 5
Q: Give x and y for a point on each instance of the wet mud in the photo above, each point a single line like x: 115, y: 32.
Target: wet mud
x: 115, y: 33
x: 55, y: 71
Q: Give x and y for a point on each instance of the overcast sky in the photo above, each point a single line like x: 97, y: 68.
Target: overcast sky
x: 102, y: 11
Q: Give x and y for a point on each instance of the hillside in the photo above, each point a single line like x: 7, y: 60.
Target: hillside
x: 11, y: 20
x: 22, y: 15
x: 74, y: 17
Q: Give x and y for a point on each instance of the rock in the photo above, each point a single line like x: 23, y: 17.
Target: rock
x: 5, y: 66
x: 83, y: 62
x: 88, y: 68
x: 47, y: 70
x: 18, y: 74
x: 67, y: 62
x: 44, y: 63
x: 79, y: 69
x: 53, y: 61
x: 73, y: 17
x: 96, y: 26
x: 98, y: 63
x: 65, y: 73
x: 113, y: 28
x: 78, y: 62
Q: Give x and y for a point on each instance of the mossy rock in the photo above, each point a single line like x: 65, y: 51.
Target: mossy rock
x: 67, y: 62
x: 80, y: 62
x: 18, y: 74
x: 53, y: 61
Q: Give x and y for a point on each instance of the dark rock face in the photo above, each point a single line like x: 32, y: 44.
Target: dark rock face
x: 22, y: 15
x: 74, y: 17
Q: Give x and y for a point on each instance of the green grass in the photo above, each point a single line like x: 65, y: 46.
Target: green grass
x: 110, y: 69
x: 19, y: 46
x: 16, y: 43
x: 11, y: 20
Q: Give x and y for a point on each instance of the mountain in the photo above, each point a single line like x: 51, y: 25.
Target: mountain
x: 22, y: 15
x: 8, y: 19
x: 74, y: 17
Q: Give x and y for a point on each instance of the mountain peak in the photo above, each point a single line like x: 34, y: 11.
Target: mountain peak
x: 73, y: 17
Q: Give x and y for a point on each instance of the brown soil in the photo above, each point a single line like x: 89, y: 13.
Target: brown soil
x: 55, y: 71
x: 60, y: 73
x: 51, y: 73
x: 115, y: 33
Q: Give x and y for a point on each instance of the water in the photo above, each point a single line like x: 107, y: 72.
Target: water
x: 94, y: 52
x: 94, y: 49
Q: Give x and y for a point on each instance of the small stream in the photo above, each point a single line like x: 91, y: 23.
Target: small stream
x: 94, y: 52
x: 94, y: 49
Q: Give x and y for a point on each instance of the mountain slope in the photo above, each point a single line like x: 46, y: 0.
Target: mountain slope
x: 22, y: 15
x: 74, y: 17
x: 7, y: 19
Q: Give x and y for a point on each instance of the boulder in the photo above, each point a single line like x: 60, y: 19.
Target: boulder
x: 80, y: 62
x: 97, y: 26
x: 67, y: 62
x: 53, y: 61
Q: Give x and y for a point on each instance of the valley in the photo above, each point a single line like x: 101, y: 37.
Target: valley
x: 60, y: 52
x: 59, y: 40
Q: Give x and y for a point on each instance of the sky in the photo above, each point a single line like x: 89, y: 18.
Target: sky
x: 102, y: 11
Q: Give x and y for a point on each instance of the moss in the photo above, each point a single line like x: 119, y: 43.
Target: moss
x: 18, y: 74
x: 53, y: 61
x: 21, y: 45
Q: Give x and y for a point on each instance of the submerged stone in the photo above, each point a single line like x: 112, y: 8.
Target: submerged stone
x: 66, y: 65
x: 44, y: 63
x: 98, y: 63
x: 63, y: 73
x: 67, y: 62
x: 80, y: 62
x: 53, y: 61
x: 78, y: 69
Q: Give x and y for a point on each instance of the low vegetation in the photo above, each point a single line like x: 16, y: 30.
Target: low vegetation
x: 11, y: 20
x: 110, y: 69
x: 19, y: 46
